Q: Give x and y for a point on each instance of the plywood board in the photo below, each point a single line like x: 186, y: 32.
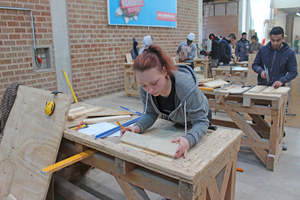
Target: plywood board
x: 252, y: 76
x: 31, y: 141
x: 153, y: 144
x: 83, y: 112
x: 215, y: 83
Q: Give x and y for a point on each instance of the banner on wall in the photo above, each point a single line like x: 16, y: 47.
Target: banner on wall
x: 158, y: 13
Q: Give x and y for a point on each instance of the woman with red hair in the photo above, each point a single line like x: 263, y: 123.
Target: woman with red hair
x: 173, y: 92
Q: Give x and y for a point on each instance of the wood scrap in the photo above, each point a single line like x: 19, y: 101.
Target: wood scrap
x: 83, y: 112
x: 215, y: 83
x: 106, y: 114
x: 106, y: 119
x: 163, y: 147
x: 281, y: 90
x: 76, y: 109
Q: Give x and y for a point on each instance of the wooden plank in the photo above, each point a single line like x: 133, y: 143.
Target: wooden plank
x: 106, y: 119
x: 132, y: 192
x: 251, y: 76
x: 257, y: 89
x: 281, y: 90
x: 83, y: 112
x: 31, y: 142
x: 71, y: 191
x: 76, y: 109
x: 268, y: 90
x: 153, y: 144
x: 215, y: 83
x: 69, y: 161
x: 106, y: 114
x: 11, y: 197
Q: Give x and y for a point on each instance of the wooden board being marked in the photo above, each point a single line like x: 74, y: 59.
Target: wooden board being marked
x: 163, y: 147
x: 281, y: 90
x: 31, y: 141
x: 268, y: 90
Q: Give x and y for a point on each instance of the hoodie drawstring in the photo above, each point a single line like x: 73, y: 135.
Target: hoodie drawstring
x: 185, y: 123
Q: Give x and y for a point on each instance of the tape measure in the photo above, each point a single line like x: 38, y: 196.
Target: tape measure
x: 50, y: 106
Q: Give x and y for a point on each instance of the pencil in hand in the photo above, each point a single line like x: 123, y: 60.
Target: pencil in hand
x: 120, y: 125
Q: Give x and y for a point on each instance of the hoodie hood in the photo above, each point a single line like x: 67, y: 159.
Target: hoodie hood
x: 284, y: 47
x: 185, y: 85
x: 147, y: 42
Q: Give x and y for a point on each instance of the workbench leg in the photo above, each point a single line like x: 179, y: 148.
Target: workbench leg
x: 230, y: 192
x: 132, y: 192
x: 250, y: 133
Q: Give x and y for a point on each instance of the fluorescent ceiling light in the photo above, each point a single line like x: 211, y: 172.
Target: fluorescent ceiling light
x: 298, y: 14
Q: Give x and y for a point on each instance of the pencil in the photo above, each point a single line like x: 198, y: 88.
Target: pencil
x: 120, y: 125
x: 78, y: 126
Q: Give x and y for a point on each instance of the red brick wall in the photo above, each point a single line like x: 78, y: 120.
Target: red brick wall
x: 16, y: 42
x: 97, y: 50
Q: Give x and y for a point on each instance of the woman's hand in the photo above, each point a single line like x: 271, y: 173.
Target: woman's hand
x: 134, y: 129
x: 183, y: 148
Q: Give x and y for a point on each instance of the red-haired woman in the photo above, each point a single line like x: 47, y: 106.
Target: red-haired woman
x: 173, y: 92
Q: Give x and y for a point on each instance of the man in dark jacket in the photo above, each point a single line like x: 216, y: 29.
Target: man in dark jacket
x: 225, y: 55
x: 242, y: 48
x: 135, y: 50
x: 214, y: 53
x: 278, y: 60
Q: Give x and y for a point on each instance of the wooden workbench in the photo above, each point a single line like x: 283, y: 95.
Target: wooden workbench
x: 203, y: 62
x: 208, y: 171
x: 263, y: 138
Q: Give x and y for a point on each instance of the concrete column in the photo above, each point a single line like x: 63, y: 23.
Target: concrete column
x: 242, y: 17
x: 289, y: 29
x: 200, y: 23
x: 61, y: 41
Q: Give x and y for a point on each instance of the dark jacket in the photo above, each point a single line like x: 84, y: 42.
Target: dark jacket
x: 225, y: 51
x: 281, y: 64
x: 135, y: 50
x: 214, y: 54
x: 241, y: 49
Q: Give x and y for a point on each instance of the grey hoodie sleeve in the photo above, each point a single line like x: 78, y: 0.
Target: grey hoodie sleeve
x: 148, y: 118
x: 193, y: 52
x: 197, y: 110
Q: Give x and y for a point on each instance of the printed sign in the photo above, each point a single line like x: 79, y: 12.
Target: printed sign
x: 159, y: 13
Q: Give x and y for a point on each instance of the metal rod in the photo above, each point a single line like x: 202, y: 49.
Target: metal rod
x: 32, y: 23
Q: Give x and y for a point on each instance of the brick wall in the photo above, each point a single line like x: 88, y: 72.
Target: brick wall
x: 97, y: 50
x: 16, y: 42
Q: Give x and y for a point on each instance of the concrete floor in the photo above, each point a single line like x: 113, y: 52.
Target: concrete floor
x: 256, y: 182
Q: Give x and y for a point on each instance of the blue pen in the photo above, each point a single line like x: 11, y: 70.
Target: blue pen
x: 111, y: 131
x: 132, y: 110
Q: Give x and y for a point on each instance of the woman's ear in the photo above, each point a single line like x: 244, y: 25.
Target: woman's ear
x: 164, y: 71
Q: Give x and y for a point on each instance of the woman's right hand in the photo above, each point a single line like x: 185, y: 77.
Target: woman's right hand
x: 134, y: 129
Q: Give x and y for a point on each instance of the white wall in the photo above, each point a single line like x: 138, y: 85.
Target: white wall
x: 296, y: 30
x: 280, y: 19
x: 285, y: 3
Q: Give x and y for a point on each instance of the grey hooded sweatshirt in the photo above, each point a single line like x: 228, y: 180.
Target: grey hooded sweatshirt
x: 190, y: 106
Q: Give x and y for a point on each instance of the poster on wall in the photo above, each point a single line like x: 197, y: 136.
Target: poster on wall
x: 158, y: 13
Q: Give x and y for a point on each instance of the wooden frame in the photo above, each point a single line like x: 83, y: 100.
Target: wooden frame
x: 131, y: 86
x: 209, y: 170
x: 263, y: 138
x: 203, y: 62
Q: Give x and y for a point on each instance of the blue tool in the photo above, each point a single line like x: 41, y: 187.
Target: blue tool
x: 111, y: 131
x: 132, y: 110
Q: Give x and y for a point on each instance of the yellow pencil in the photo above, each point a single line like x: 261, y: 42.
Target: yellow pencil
x: 120, y: 125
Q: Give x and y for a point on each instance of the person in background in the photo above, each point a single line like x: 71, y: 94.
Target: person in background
x: 214, y: 53
x: 296, y: 44
x: 279, y: 60
x: 254, y: 46
x: 135, y: 50
x: 242, y: 47
x: 225, y: 55
x: 188, y: 50
x: 173, y: 92
x: 147, y: 42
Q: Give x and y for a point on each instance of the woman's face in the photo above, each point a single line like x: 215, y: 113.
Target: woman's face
x: 153, y: 80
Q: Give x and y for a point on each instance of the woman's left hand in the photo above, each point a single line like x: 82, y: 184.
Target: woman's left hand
x: 183, y: 148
